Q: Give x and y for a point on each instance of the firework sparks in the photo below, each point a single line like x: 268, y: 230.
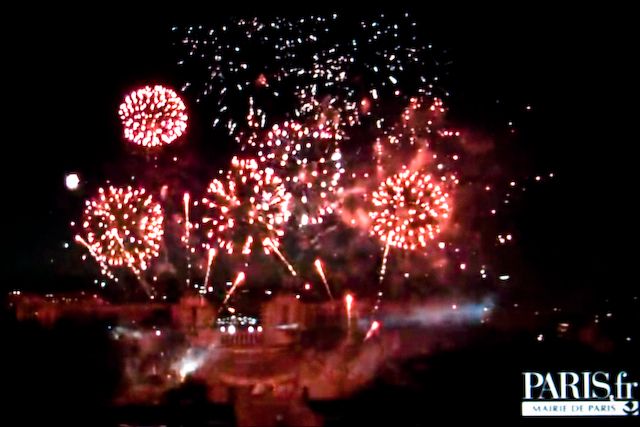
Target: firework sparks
x: 409, y: 209
x: 349, y: 302
x: 348, y: 299
x: 309, y: 162
x: 187, y: 236
x: 250, y: 205
x: 123, y: 228
x: 153, y: 116
x: 420, y: 135
x: 250, y: 65
x: 238, y: 280
x: 83, y: 242
x: 212, y: 254
x: 318, y: 265
x: 268, y: 243
x: 385, y: 255
x: 305, y: 100
x: 375, y: 325
x: 186, y: 199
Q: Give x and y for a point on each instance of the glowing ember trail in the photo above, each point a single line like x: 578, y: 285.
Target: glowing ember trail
x: 239, y: 280
x: 212, y: 254
x: 375, y: 325
x: 268, y: 243
x: 349, y: 302
x: 186, y: 208
x: 318, y: 265
x: 385, y: 255
x: 187, y: 235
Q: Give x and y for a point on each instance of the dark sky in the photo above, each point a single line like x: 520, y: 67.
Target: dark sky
x: 69, y: 76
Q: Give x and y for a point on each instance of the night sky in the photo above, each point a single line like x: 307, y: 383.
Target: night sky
x: 577, y: 230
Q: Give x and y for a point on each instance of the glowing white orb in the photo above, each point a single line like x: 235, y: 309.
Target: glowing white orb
x: 72, y: 181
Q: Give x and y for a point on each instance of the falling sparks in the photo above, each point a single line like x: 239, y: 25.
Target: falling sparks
x: 385, y: 256
x: 268, y: 243
x: 153, y: 116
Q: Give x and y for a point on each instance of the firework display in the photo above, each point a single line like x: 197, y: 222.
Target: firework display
x: 409, y: 208
x: 153, y: 116
x: 254, y: 64
x: 122, y: 228
x: 308, y: 160
x: 342, y: 152
x: 249, y: 205
x: 271, y: 208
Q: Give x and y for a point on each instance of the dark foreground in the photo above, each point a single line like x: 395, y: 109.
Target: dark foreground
x: 69, y: 375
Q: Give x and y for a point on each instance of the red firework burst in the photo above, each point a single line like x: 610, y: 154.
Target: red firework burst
x: 153, y: 117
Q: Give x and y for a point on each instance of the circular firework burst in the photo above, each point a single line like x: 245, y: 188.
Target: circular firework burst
x: 153, y: 117
x: 123, y: 228
x: 410, y: 208
x: 251, y: 204
x: 309, y: 162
